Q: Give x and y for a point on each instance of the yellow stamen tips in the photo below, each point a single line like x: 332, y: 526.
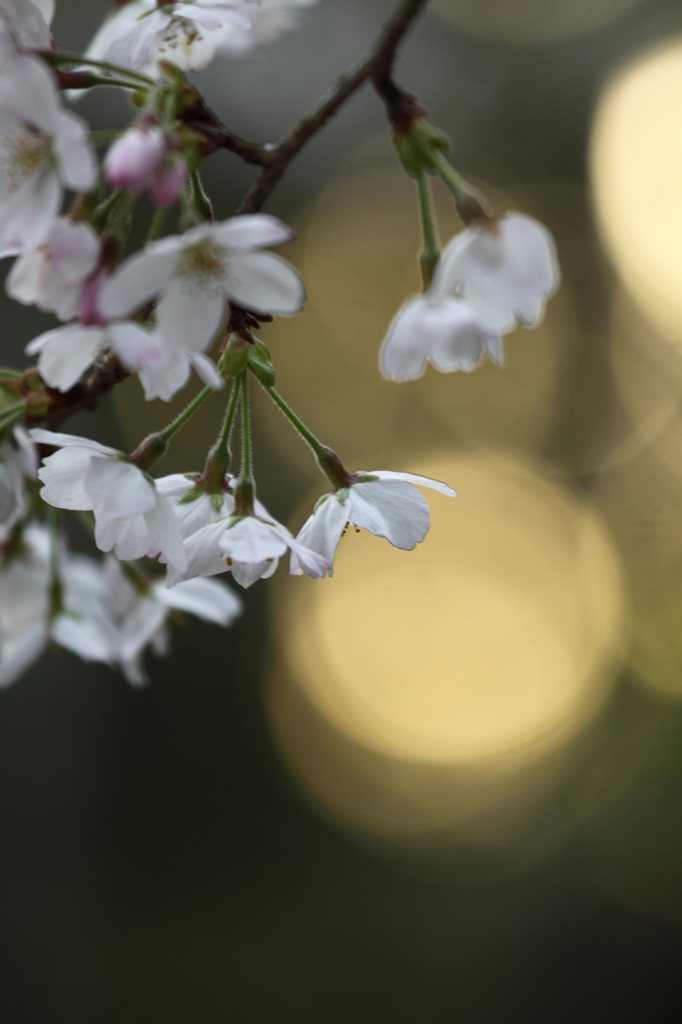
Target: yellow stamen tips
x: 357, y: 529
x: 228, y: 561
x: 204, y: 268
x: 21, y: 156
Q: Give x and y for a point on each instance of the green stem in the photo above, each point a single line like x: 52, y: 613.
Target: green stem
x: 105, y: 135
x: 469, y: 202
x: 199, y: 199
x: 245, y: 472
x: 327, y: 459
x: 156, y: 224
x: 220, y: 456
x: 430, y: 254
x: 12, y: 414
x: 57, y: 57
x: 155, y: 445
x: 188, y: 411
x: 14, y: 374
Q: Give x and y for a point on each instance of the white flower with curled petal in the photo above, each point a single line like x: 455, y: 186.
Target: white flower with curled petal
x: 28, y: 21
x: 131, y: 516
x: 382, y: 502
x: 43, y: 150
x: 506, y: 268
x: 439, y: 329
x: 51, y: 275
x: 194, y: 275
x: 218, y: 539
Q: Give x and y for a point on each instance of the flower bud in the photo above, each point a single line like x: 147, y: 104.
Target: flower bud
x: 135, y: 159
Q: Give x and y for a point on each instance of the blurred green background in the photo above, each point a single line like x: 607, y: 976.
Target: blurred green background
x: 444, y: 785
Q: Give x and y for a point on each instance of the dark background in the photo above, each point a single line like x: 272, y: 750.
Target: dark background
x: 175, y: 853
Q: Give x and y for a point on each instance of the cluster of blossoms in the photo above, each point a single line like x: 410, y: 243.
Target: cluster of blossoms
x: 158, y: 313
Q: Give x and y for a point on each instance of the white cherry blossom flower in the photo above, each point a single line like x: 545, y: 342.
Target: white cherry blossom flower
x: 267, y: 20
x: 185, y: 33
x: 141, y: 615
x: 43, y: 150
x: 28, y: 21
x: 440, y: 329
x: 217, y: 539
x: 382, y: 502
x: 131, y: 516
x: 51, y: 275
x: 196, y: 274
x: 506, y: 269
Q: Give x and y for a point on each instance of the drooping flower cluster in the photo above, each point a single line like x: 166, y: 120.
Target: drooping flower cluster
x: 188, y: 299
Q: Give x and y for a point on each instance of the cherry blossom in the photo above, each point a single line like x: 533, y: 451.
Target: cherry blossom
x: 506, y: 269
x: 143, y: 158
x: 43, y: 150
x: 51, y: 275
x: 28, y: 21
x: 196, y: 274
x: 382, y: 502
x: 440, y: 329
x: 131, y: 516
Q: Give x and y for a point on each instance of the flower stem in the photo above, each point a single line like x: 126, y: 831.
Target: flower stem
x: 470, y: 204
x: 327, y: 459
x: 198, y: 198
x: 244, y: 488
x: 57, y: 57
x: 155, y: 445
x: 220, y: 456
x: 156, y: 224
x: 430, y: 254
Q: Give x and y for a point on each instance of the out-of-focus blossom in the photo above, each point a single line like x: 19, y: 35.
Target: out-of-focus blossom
x: 43, y: 150
x: 196, y: 274
x: 440, y: 329
x: 143, y: 158
x: 507, y: 269
x: 51, y: 275
x: 18, y: 463
x: 27, y: 22
x: 382, y: 502
x: 131, y: 517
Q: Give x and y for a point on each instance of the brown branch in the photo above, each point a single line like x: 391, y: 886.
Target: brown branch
x: 375, y: 64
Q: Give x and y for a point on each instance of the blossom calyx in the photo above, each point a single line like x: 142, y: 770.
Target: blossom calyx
x: 260, y: 363
x: 415, y: 147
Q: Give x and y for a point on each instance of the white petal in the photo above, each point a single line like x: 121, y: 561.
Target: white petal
x: 390, y: 509
x: 188, y: 320
x: 165, y: 529
x: 137, y: 280
x: 265, y: 283
x: 414, y: 478
x: 118, y: 489
x: 63, y: 477
x: 75, y: 156
x: 322, y: 531
x: 66, y: 353
x: 207, y: 599
x: 128, y: 537
x: 252, y: 231
x: 58, y: 440
x: 251, y: 540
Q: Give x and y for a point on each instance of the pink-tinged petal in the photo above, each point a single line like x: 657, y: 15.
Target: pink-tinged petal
x: 26, y: 215
x: 165, y: 529
x: 390, y: 509
x: 322, y: 531
x: 207, y: 599
x: 118, y: 489
x: 265, y: 283
x: 77, y: 164
x: 189, y: 320
x: 28, y: 91
x: 138, y: 280
x: 65, y: 354
x: 63, y: 477
x: 252, y: 231
x: 414, y: 478
x: 134, y: 158
x: 58, y: 440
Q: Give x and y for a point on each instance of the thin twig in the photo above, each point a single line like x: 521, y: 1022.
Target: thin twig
x: 375, y: 64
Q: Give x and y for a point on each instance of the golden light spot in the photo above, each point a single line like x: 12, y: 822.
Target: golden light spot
x: 636, y: 162
x: 472, y: 659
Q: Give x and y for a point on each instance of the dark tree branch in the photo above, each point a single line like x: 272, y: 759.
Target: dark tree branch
x: 376, y: 64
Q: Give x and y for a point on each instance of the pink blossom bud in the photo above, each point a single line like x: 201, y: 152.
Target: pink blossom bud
x: 134, y: 159
x: 168, y: 181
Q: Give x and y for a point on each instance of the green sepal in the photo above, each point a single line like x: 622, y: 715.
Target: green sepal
x: 260, y: 363
x: 235, y: 358
x: 415, y: 147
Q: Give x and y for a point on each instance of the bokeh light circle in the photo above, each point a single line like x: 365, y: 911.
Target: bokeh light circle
x: 636, y: 162
x: 532, y: 21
